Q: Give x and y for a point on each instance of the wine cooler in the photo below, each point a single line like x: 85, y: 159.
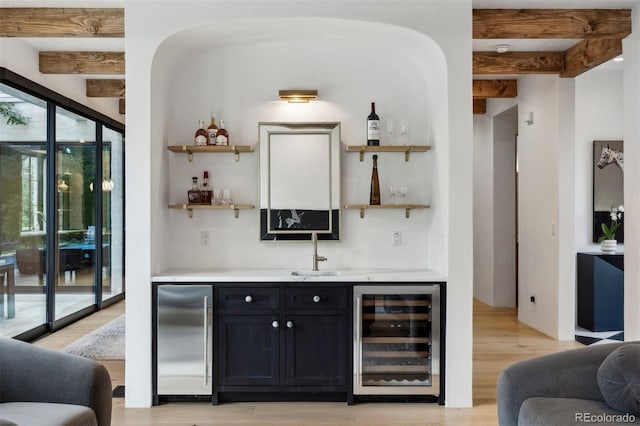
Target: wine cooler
x: 397, y: 340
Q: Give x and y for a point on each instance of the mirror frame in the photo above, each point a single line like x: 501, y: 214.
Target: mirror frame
x: 609, y: 171
x: 326, y: 223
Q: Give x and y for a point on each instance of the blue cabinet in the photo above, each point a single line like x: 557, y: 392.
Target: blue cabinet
x: 600, y: 291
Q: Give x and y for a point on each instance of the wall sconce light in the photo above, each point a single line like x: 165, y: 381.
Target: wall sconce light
x: 298, y: 96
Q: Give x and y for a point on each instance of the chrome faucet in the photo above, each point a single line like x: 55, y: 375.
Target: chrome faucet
x: 316, y: 258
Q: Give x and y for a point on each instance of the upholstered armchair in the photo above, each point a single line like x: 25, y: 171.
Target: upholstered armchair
x: 44, y: 387
x: 573, y: 387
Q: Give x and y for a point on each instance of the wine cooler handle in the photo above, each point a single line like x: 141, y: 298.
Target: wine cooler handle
x: 358, y: 342
x: 206, y: 339
x: 275, y: 324
x: 289, y: 324
x: 248, y: 299
x: 316, y: 298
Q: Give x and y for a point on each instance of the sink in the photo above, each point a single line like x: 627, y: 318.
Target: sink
x: 315, y: 273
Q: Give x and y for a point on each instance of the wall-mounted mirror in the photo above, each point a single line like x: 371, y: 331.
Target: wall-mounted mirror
x: 608, y: 186
x: 299, y: 181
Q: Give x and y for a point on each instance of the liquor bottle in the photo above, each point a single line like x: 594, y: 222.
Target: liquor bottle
x: 194, y: 193
x: 222, y: 136
x: 212, y: 130
x: 205, y: 192
x: 201, y: 134
x: 373, y: 127
x: 374, y: 195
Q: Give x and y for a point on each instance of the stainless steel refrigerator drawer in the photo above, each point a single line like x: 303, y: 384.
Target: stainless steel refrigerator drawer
x: 184, y: 339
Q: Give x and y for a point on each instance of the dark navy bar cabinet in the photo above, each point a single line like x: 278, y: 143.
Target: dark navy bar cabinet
x: 601, y: 291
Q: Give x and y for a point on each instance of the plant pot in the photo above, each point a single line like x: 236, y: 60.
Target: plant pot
x: 608, y: 246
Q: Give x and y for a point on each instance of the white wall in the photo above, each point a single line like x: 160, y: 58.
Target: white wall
x: 599, y: 111
x: 448, y: 129
x: 631, y: 49
x: 538, y: 202
x: 494, y: 203
x: 21, y: 58
x: 244, y: 101
x: 505, y: 127
x: 483, y: 208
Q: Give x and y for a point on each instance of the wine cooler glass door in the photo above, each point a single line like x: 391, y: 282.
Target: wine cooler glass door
x: 397, y: 340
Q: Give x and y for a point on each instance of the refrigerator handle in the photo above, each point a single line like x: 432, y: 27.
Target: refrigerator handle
x: 206, y: 339
x: 358, y: 342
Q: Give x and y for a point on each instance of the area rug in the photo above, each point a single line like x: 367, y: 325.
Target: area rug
x: 104, y: 343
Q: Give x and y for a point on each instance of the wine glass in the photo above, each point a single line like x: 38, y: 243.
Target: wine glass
x: 390, y: 128
x: 404, y: 129
x: 393, y: 194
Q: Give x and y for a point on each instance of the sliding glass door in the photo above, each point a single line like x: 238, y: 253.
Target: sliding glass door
x: 23, y: 206
x: 76, y: 217
x: 112, y: 213
x: 61, y: 209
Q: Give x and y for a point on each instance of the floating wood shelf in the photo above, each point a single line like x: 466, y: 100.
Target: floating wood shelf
x: 406, y: 207
x: 190, y: 149
x: 191, y: 207
x: 407, y: 149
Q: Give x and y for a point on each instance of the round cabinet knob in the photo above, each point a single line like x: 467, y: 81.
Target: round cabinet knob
x: 289, y: 324
x: 275, y: 324
x: 248, y: 299
x: 316, y: 298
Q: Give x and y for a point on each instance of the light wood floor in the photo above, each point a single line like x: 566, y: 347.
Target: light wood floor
x: 499, y: 340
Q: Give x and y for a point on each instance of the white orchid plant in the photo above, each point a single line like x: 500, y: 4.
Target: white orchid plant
x: 609, y: 232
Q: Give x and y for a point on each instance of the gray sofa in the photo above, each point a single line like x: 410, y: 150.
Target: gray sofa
x: 43, y: 387
x: 563, y: 389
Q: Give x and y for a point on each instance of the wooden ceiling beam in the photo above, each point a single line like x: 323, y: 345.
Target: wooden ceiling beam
x: 589, y: 54
x: 551, y: 23
x: 105, y: 88
x: 483, y: 89
x: 518, y: 63
x: 61, y: 22
x: 82, y: 62
x: 479, y: 106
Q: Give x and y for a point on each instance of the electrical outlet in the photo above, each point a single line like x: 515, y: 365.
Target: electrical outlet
x: 205, y: 236
x: 396, y: 238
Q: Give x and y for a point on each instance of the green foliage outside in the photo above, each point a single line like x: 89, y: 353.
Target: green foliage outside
x: 13, y: 117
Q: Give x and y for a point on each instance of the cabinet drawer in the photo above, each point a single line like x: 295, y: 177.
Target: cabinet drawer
x: 248, y: 298
x: 316, y: 298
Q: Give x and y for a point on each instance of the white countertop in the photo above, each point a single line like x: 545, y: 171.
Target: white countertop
x: 272, y: 275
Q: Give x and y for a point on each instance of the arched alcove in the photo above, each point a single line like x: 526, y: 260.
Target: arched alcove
x: 236, y: 68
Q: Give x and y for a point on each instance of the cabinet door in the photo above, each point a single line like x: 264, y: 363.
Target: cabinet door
x: 315, y: 350
x: 248, y: 350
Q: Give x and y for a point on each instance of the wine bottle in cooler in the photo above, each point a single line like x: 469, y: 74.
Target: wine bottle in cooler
x: 374, y: 195
x: 373, y: 127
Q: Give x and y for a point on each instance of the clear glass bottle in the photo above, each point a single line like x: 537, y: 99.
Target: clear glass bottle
x: 194, y: 193
x: 373, y: 127
x: 212, y: 130
x: 222, y: 136
x: 374, y: 194
x: 201, y: 134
